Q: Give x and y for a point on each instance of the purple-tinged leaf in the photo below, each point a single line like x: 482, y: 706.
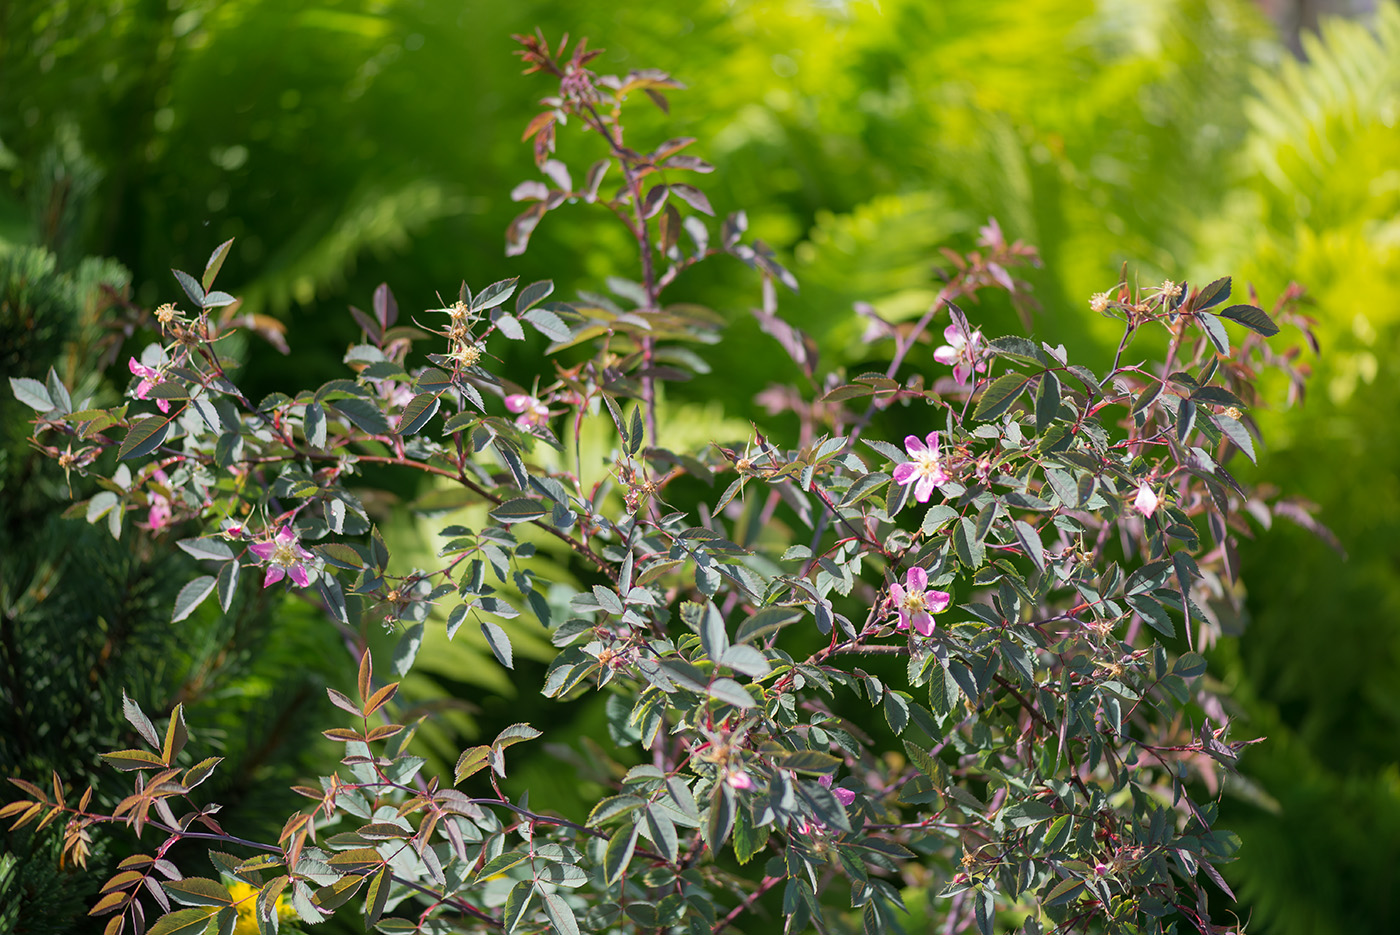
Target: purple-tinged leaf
x: 216, y: 263
x: 499, y: 642
x: 143, y: 437
x: 1237, y: 433
x: 730, y: 692
x: 129, y: 760
x: 494, y: 294
x: 314, y: 425
x: 655, y: 199
x: 386, y: 309
x: 367, y: 325
x: 693, y: 197
x: 594, y: 180
x: 999, y: 397
x: 228, y: 584
x: 31, y: 393
x: 530, y: 190
x: 558, y: 174
x: 689, y: 163
x: 519, y: 510
x: 1215, y: 331
x: 58, y: 392
x: 192, y: 288
x: 733, y: 228
x: 509, y: 327
x: 518, y: 233
x: 207, y: 547
x: 1255, y: 319
x: 137, y: 718
x: 416, y: 414
x: 1212, y: 294
x: 364, y: 414
x: 660, y: 101
x: 532, y: 294
x: 548, y: 324
x: 191, y: 596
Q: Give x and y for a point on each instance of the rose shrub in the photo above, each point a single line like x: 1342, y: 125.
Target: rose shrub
x: 1005, y: 722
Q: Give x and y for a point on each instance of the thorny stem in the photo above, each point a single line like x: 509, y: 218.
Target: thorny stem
x: 612, y: 132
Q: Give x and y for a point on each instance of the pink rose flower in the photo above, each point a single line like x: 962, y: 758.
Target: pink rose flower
x: 285, y: 556
x: 916, y: 604
x: 532, y: 411
x: 961, y: 354
x: 738, y: 779
x: 161, y: 511
x: 149, y: 378
x: 844, y: 796
x: 923, y: 469
x: 1146, y: 501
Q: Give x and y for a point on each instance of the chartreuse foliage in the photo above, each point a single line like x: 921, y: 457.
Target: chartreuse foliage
x: 1010, y: 601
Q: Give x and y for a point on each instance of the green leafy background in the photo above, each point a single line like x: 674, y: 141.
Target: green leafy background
x: 350, y: 143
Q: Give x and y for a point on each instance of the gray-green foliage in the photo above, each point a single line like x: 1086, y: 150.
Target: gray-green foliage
x: 1096, y: 132
x: 752, y: 644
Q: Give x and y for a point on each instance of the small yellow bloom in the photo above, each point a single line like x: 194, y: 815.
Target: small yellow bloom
x: 1099, y: 302
x: 245, y: 900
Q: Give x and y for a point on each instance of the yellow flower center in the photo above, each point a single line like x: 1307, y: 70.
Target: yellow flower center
x: 926, y: 464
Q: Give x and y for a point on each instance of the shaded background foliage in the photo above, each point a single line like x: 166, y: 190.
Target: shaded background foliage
x: 345, y: 144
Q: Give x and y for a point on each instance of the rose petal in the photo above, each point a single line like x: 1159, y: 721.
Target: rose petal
x: 923, y: 623
x: 912, y: 444
x: 904, y: 473
x: 924, y: 489
x: 300, y: 576
x: 916, y: 579
x: 262, y: 550
x: 275, y: 573
x: 937, y: 601
x: 1146, y: 501
x: 948, y: 356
